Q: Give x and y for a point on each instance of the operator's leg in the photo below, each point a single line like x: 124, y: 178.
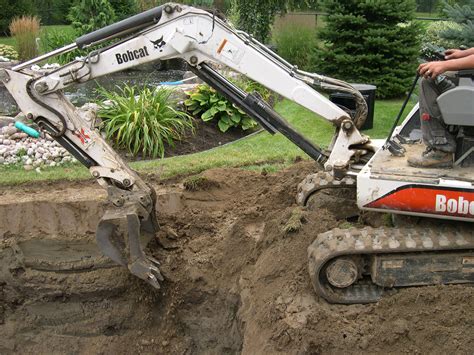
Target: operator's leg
x: 440, y: 143
x: 435, y: 133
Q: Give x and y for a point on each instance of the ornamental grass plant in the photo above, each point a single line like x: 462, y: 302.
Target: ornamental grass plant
x: 26, y: 29
x: 143, y: 120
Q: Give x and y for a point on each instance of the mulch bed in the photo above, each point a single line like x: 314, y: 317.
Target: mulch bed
x: 206, y: 136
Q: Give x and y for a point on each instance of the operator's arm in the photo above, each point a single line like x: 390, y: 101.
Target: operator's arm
x: 433, y: 69
x: 458, y: 53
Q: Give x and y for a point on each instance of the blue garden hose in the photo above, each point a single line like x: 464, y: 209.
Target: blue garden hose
x: 28, y: 130
x: 171, y: 83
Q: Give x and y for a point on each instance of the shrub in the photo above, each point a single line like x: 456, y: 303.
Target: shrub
x: 297, y: 44
x: 26, y: 30
x: 89, y: 15
x: 257, y: 17
x: 124, y: 8
x: 432, y: 35
x: 12, y: 9
x: 52, y: 12
x: 8, y: 52
x: 54, y: 39
x: 373, y: 42
x: 209, y: 105
x: 143, y: 119
x: 463, y: 16
x: 252, y: 86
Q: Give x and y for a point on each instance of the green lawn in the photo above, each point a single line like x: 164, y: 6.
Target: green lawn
x: 63, y: 28
x: 256, y: 152
x: 427, y: 15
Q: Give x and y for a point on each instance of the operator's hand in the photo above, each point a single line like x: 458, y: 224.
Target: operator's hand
x: 454, y: 54
x: 432, y: 69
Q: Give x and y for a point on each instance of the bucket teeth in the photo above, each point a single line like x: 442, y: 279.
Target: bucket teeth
x: 122, y: 234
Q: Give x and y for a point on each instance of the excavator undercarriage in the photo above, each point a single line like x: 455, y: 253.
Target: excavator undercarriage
x: 360, y: 265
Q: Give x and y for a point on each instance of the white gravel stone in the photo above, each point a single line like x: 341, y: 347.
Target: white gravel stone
x: 34, y: 152
x: 9, y: 130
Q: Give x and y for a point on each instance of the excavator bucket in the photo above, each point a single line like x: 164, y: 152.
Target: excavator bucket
x: 122, y: 235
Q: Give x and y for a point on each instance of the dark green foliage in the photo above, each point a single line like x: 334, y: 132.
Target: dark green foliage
x: 54, y: 39
x: 11, y: 9
x: 426, y: 5
x: 256, y: 16
x: 208, y: 104
x: 52, y: 12
x: 124, y: 8
x: 372, y: 42
x: 89, y: 15
x: 297, y: 44
x: 205, y: 102
x: 463, y: 15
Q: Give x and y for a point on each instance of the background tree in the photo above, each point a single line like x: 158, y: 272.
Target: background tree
x: 463, y: 15
x: 124, y: 8
x: 89, y: 15
x: 373, y: 42
x: 12, y: 9
x: 51, y: 12
x: 257, y: 16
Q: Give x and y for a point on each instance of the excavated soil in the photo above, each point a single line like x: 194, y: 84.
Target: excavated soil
x: 236, y: 282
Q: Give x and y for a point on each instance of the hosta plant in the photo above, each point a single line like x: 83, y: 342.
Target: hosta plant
x: 205, y: 102
x: 8, y: 52
x: 143, y: 120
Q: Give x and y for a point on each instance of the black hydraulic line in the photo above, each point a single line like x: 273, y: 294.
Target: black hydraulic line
x: 67, y: 144
x: 131, y: 24
x: 395, y: 124
x: 56, y: 133
x: 258, y: 109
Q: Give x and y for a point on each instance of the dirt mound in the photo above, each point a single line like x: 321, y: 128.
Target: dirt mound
x: 236, y: 282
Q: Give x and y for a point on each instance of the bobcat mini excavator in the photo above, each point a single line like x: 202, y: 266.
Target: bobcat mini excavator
x: 346, y: 266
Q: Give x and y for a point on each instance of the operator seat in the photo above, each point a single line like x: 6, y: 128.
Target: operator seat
x: 457, y: 108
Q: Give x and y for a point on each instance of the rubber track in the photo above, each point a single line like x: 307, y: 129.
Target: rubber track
x: 320, y: 181
x: 370, y: 241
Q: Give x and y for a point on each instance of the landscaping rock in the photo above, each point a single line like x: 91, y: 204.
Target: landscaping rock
x: 5, y: 121
x: 17, y: 147
x: 195, y: 80
x: 9, y: 130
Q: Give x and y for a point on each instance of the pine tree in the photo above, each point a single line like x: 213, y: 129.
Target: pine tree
x: 89, y: 15
x: 371, y: 42
x: 463, y: 15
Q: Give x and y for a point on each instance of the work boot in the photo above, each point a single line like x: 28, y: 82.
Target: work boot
x: 432, y: 158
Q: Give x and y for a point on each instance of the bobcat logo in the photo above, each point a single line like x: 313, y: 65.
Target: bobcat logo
x: 158, y: 44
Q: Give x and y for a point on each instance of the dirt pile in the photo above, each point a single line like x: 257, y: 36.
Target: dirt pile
x: 237, y: 282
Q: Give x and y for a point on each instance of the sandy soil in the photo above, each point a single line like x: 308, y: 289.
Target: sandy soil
x: 235, y: 281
